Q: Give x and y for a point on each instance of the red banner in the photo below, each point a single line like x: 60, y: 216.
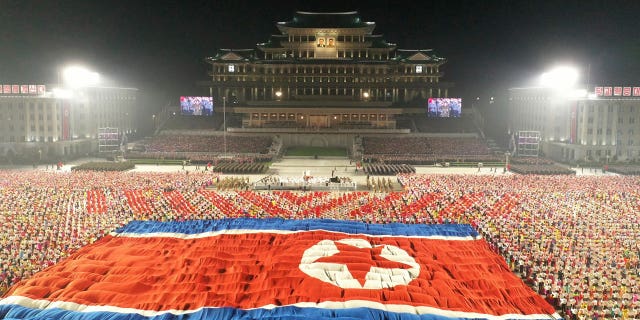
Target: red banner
x: 598, y: 91
x: 22, y: 89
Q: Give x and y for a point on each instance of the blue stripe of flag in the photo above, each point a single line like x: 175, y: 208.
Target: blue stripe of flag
x: 350, y: 227
x: 280, y: 313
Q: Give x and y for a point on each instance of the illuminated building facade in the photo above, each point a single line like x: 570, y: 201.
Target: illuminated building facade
x: 325, y: 71
x: 580, y: 127
x: 58, y: 125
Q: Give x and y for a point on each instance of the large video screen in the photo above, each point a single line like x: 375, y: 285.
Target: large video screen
x: 444, y: 107
x: 196, y: 106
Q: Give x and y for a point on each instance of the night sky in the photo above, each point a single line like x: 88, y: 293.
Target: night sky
x: 159, y: 46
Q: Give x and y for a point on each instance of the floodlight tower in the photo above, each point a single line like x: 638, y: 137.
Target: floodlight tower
x: 79, y: 77
x: 562, y: 77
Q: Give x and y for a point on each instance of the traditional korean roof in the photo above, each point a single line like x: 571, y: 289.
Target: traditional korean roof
x: 233, y: 55
x: 417, y: 56
x: 377, y: 41
x: 302, y: 19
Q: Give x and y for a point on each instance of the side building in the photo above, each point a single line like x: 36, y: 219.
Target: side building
x: 324, y: 71
x: 59, y: 124
x: 576, y: 126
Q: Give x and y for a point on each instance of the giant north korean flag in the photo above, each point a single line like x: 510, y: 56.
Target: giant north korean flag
x: 279, y: 269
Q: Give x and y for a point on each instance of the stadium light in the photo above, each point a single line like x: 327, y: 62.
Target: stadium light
x: 559, y: 77
x: 62, y: 93
x: 77, y: 77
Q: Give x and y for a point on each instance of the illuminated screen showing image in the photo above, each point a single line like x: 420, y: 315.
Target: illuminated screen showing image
x: 196, y: 106
x: 444, y: 107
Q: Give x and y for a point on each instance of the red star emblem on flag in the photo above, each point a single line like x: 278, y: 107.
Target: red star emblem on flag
x: 359, y: 261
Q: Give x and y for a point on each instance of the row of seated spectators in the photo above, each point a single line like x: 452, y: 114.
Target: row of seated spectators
x: 541, y: 169
x: 531, y: 160
x: 537, y: 165
x: 387, y: 169
x: 575, y: 240
x: 424, y: 146
x: 627, y: 170
x: 208, y: 143
x: 203, y: 157
x: 428, y: 160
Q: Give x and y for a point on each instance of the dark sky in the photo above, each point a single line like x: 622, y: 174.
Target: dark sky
x: 159, y: 46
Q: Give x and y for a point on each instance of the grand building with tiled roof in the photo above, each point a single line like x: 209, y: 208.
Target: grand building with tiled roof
x: 325, y: 71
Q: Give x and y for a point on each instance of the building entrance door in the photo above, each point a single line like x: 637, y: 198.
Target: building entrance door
x: 320, y: 121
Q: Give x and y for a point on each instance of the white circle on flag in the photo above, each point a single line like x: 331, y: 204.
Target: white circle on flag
x: 339, y: 275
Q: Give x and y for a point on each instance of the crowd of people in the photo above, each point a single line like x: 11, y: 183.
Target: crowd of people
x: 424, y: 146
x: 171, y: 143
x: 425, y: 150
x: 387, y: 169
x: 574, y: 239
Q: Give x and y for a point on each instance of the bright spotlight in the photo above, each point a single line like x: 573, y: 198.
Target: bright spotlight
x: 76, y: 77
x: 559, y: 77
x: 278, y: 94
x: 366, y: 94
